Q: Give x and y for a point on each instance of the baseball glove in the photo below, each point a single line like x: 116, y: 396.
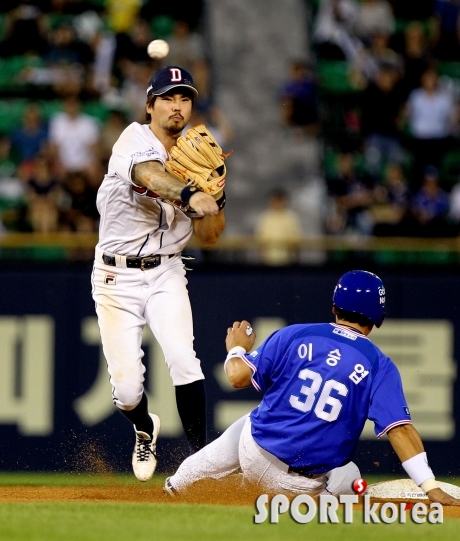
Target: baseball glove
x: 198, y: 160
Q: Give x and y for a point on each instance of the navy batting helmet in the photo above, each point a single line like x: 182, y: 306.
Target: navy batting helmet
x: 363, y: 293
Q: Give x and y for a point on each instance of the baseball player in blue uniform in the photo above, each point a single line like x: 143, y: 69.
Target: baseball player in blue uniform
x: 320, y: 384
x: 147, y: 218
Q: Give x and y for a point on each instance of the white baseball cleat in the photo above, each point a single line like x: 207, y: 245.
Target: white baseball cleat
x: 144, y: 454
x: 168, y: 488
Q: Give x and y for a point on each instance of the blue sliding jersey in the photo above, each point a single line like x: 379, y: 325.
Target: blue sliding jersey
x: 320, y: 383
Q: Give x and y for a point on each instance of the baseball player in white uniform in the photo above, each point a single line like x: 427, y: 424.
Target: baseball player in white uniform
x: 147, y: 218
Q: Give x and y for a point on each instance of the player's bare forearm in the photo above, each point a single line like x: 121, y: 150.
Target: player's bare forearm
x: 209, y: 228
x: 154, y: 177
x: 406, y: 441
x: 238, y: 373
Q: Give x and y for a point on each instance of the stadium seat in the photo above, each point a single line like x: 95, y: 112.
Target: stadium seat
x: 55, y: 19
x: 334, y: 77
x: 12, y: 111
x: 402, y: 24
x: 11, y: 70
x: 388, y: 257
x: 162, y: 26
x: 450, y: 168
x: 449, y: 69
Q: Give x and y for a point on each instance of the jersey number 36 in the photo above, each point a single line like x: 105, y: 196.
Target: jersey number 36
x: 325, y: 399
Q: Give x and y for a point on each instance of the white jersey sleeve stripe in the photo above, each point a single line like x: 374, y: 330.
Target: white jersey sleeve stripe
x: 389, y: 427
x: 253, y: 369
x: 130, y: 170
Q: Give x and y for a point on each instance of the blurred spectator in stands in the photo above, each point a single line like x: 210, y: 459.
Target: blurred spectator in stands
x: 333, y: 30
x: 416, y: 56
x: 374, y: 16
x: 432, y: 117
x: 454, y: 206
x: 352, y: 194
x: 111, y: 130
x: 447, y: 39
x: 133, y: 88
x: 11, y: 188
x: 381, y: 110
x: 392, y: 203
x: 186, y: 49
x: 66, y: 49
x: 25, y: 30
x: 90, y: 29
x: 31, y: 138
x: 103, y: 44
x: 278, y: 231
x: 429, y: 208
x: 132, y: 45
x: 7, y: 164
x: 121, y: 14
x: 43, y: 191
x: 74, y: 138
x: 215, y: 119
x: 379, y: 55
x: 70, y: 7
x: 68, y: 60
x: 131, y: 64
x: 298, y: 99
x: 81, y: 213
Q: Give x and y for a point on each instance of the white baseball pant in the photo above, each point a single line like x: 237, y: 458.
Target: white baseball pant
x: 236, y: 448
x: 127, y: 299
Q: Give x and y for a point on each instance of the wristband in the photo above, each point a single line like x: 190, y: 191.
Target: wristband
x: 428, y: 485
x: 221, y: 201
x: 236, y: 351
x: 418, y: 469
x: 187, y: 193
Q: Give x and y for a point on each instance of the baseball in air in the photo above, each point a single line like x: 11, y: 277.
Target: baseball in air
x: 158, y: 48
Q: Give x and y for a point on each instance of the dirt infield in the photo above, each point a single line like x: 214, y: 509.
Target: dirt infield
x: 202, y: 493
x: 225, y: 492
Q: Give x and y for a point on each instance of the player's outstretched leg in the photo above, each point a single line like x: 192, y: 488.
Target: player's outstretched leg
x: 218, y: 459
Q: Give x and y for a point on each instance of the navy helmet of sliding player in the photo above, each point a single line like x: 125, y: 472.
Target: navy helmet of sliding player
x: 361, y: 292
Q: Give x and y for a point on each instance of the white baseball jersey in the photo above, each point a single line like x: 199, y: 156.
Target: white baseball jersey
x: 134, y: 220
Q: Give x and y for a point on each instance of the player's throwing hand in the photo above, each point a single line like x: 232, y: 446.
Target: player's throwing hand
x: 203, y: 203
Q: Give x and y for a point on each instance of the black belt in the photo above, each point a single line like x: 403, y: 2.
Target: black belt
x: 302, y: 472
x: 133, y: 262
